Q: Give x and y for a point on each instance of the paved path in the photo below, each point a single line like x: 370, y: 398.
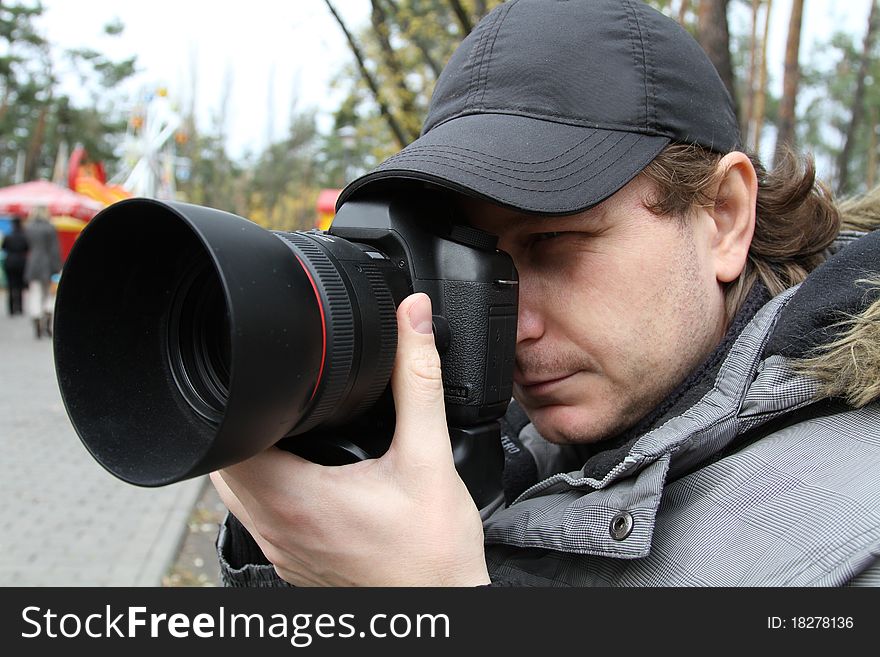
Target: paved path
x: 64, y: 520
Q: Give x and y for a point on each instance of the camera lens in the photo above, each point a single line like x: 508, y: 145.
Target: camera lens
x: 199, y: 346
x: 188, y: 339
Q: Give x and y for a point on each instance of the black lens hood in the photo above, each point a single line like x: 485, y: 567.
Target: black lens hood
x: 112, y: 326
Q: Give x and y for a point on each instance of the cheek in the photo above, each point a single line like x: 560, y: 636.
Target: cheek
x: 612, y: 300
x: 632, y: 313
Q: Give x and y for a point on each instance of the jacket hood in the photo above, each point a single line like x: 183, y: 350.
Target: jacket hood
x: 831, y: 326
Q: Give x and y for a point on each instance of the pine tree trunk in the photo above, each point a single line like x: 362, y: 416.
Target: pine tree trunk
x: 714, y: 37
x: 749, y: 105
x: 761, y: 92
x: 32, y: 161
x: 785, y: 136
x: 843, y: 183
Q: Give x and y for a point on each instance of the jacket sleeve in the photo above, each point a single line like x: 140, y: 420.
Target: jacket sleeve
x: 242, y: 563
x: 868, y: 577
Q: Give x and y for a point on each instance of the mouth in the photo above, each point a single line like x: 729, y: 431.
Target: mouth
x: 540, y: 386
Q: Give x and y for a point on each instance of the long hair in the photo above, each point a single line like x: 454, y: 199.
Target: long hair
x: 797, y: 219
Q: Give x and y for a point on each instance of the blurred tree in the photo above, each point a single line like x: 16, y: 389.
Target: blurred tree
x: 398, y: 59
x: 858, y: 103
x: 371, y: 80
x: 25, y: 90
x: 756, y: 65
x: 283, y: 185
x: 213, y: 179
x: 714, y: 35
x: 829, y: 87
x: 40, y: 120
x: 785, y: 135
x: 760, y: 102
x: 98, y: 119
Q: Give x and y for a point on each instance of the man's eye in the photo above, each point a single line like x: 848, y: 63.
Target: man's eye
x: 542, y: 237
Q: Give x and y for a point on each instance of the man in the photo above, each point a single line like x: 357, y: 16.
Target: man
x: 43, y: 261
x: 15, y: 247
x: 685, y: 414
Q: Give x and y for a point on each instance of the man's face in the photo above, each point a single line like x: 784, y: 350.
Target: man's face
x: 616, y: 307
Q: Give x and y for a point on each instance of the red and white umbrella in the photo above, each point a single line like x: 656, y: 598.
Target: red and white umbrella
x: 21, y: 199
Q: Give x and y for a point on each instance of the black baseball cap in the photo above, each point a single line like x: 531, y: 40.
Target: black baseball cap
x: 551, y: 106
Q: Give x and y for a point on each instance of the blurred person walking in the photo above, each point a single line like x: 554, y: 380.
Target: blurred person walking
x: 15, y: 247
x: 44, y: 260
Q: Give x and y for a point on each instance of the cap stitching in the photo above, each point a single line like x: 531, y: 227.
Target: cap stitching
x: 638, y: 44
x: 497, y: 162
x: 467, y: 163
x: 484, y: 81
x: 479, y: 54
x: 564, y: 119
x: 413, y: 148
x: 489, y: 163
x: 650, y: 72
x: 490, y: 174
x: 475, y: 57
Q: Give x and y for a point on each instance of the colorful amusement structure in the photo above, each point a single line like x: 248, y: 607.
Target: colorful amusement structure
x: 148, y: 165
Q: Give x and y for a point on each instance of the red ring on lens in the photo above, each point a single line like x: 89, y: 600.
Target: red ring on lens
x: 323, y: 326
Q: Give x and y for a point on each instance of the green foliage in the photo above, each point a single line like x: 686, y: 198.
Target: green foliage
x: 283, y: 173
x: 214, y: 179
x: 406, y: 46
x: 36, y: 117
x: 25, y: 77
x: 90, y: 62
x: 829, y: 83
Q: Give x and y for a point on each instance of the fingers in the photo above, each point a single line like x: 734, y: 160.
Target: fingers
x: 417, y: 384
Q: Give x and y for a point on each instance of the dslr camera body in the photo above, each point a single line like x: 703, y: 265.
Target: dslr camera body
x: 188, y: 339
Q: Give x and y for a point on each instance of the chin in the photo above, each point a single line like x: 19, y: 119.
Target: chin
x: 570, y: 425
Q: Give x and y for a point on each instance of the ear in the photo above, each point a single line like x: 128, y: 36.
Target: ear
x: 733, y: 214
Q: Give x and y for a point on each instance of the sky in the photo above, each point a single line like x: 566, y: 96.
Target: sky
x: 278, y: 52
x: 294, y: 44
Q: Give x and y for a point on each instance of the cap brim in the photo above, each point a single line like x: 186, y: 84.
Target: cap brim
x: 532, y: 165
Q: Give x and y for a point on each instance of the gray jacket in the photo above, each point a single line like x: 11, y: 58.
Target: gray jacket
x: 44, y: 257
x: 763, y: 471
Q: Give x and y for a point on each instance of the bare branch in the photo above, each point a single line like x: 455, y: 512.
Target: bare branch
x: 398, y: 76
x: 392, y: 122
x: 464, y: 20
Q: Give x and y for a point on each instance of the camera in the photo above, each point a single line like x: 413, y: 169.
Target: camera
x: 187, y: 339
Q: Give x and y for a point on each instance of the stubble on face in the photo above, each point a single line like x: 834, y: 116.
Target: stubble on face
x: 654, y: 351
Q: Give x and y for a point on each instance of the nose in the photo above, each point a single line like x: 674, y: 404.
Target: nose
x: 530, y: 320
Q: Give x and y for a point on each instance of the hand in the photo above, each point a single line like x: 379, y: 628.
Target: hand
x: 405, y: 519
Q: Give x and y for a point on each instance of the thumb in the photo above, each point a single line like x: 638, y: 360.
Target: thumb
x: 416, y: 382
